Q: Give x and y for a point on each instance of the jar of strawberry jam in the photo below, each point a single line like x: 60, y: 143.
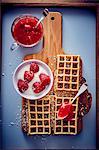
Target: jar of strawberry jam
x: 25, y: 32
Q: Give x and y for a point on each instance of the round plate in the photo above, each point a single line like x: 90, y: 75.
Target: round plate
x: 19, y: 74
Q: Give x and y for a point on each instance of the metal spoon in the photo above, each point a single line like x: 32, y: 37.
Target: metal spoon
x: 81, y: 90
x: 45, y: 13
x: 69, y: 105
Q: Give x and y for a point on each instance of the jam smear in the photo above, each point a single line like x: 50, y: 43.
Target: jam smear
x: 66, y: 111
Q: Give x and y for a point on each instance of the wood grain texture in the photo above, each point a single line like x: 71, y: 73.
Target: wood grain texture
x: 52, y: 42
x: 74, y: 3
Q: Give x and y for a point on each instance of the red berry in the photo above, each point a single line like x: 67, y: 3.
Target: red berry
x: 38, y: 87
x: 36, y: 84
x: 28, y: 76
x: 34, y: 67
x: 22, y: 85
x: 45, y: 79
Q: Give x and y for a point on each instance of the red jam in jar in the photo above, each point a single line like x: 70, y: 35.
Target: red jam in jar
x: 25, y: 32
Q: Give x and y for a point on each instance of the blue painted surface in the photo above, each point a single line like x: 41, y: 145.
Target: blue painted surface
x: 79, y: 32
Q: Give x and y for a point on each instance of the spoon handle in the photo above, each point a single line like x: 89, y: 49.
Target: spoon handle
x: 45, y: 13
x: 39, y: 21
x: 81, y: 90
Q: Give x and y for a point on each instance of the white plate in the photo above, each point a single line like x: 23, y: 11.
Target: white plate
x: 19, y: 74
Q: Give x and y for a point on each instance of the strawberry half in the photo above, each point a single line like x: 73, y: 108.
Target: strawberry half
x: 45, y: 79
x: 28, y: 76
x: 36, y: 84
x: 38, y: 87
x: 34, y: 67
x: 22, y: 85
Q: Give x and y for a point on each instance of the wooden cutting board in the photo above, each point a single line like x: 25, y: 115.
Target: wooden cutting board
x: 52, y: 41
x: 52, y: 45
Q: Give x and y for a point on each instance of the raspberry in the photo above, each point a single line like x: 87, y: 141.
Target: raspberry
x: 22, y: 85
x: 28, y: 76
x: 34, y: 67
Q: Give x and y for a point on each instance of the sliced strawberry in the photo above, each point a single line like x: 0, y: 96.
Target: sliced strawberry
x: 36, y: 84
x: 34, y: 67
x: 38, y: 87
x: 45, y: 79
x: 22, y: 85
x: 28, y: 76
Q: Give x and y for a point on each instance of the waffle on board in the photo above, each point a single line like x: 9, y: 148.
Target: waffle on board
x: 40, y: 116
x: 62, y: 126
x: 68, y: 73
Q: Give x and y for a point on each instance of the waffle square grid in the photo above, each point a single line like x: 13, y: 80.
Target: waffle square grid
x: 39, y: 116
x: 67, y: 77
x: 42, y: 113
x: 62, y: 126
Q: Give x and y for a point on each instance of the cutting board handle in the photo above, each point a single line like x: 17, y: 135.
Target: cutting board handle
x: 52, y: 42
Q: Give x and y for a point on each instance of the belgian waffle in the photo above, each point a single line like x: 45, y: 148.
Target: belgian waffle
x: 42, y: 113
x: 62, y: 126
x: 39, y: 116
x: 68, y: 72
x: 68, y: 76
